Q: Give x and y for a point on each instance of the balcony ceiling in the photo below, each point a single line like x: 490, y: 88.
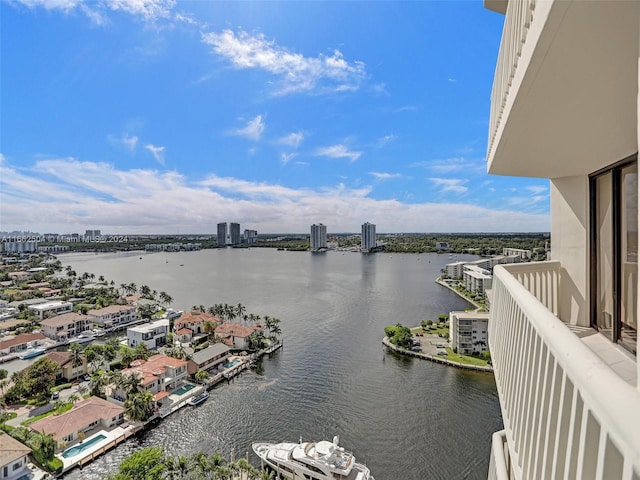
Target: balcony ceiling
x: 572, y: 108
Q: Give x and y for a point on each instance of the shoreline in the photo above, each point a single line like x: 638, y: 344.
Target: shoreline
x: 444, y: 361
x: 440, y: 282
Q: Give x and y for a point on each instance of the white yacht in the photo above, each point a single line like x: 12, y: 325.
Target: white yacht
x: 321, y: 460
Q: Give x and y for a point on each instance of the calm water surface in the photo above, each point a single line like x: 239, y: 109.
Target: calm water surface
x: 405, y: 418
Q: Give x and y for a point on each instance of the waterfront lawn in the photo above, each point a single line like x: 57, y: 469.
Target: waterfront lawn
x: 435, y: 329
x: 465, y: 359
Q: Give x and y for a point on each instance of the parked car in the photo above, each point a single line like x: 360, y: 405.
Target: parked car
x: 86, y: 377
x: 55, y: 395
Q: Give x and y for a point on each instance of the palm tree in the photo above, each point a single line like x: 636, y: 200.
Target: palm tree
x: 165, y: 299
x: 139, y: 407
x: 240, y: 311
x: 201, y: 376
x: 75, y: 350
x: 131, y: 383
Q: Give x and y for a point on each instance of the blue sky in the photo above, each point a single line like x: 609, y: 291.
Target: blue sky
x: 157, y: 116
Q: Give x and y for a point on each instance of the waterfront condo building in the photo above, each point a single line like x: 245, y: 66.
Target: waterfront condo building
x: 563, y: 333
x: 318, y: 238
x: 368, y: 238
x: 222, y: 234
x: 250, y: 236
x: 234, y: 234
x: 468, y: 332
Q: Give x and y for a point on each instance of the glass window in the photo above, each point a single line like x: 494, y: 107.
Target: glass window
x: 614, y: 260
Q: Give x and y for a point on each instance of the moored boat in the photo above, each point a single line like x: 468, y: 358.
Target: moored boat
x: 321, y: 460
x: 31, y: 353
x: 198, y: 399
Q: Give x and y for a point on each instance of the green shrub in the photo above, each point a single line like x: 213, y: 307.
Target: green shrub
x: 55, y: 465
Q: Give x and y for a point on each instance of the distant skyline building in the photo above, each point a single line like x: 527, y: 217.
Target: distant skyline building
x: 250, y: 236
x: 318, y: 236
x: 368, y: 238
x: 91, y: 234
x: 234, y: 234
x: 222, y: 234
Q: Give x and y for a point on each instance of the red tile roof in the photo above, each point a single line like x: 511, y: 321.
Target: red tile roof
x: 80, y: 416
x: 195, y: 316
x: 19, y: 339
x: 11, y: 449
x: 235, y: 330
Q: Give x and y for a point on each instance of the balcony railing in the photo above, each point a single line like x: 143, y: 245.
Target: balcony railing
x: 566, y: 413
x: 516, y: 26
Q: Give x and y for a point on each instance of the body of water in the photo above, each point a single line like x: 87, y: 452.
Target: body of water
x: 405, y: 418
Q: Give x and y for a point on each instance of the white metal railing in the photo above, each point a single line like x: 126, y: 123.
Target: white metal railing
x: 516, y: 26
x: 566, y: 414
x: 499, y: 463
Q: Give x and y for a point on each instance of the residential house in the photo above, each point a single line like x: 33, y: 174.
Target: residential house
x: 195, y: 321
x: 85, y: 416
x: 13, y: 458
x: 51, y: 309
x: 67, y: 370
x: 563, y: 333
x: 160, y: 375
x: 66, y: 326
x: 113, y: 315
x: 208, y: 358
x: 20, y: 342
x: 153, y: 334
x: 235, y: 335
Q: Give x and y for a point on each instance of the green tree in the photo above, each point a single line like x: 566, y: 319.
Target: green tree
x: 201, y: 376
x: 139, y: 407
x: 75, y: 352
x: 145, y: 464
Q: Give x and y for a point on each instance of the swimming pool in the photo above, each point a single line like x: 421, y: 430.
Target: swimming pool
x: 77, y: 449
x: 231, y: 364
x: 183, y: 389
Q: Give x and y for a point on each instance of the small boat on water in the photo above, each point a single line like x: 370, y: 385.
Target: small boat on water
x: 321, y: 460
x: 31, y: 353
x: 197, y: 400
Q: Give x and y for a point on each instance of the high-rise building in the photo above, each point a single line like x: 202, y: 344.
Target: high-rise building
x: 222, y: 234
x: 318, y: 237
x: 368, y: 239
x: 563, y: 333
x: 234, y: 234
x: 90, y: 235
x: 250, y: 236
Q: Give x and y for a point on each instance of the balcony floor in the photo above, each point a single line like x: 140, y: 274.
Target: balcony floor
x: 617, y: 358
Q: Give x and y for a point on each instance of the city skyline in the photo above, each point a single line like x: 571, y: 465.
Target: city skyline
x: 163, y: 117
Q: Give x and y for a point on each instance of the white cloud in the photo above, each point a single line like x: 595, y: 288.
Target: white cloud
x: 157, y: 152
x: 66, y: 194
x: 287, y: 157
x: 296, y: 72
x: 150, y: 10
x: 252, y: 130
x: 451, y: 80
x: 536, y: 189
x: 384, y: 176
x: 293, y: 139
x: 96, y: 11
x: 386, y: 140
x: 130, y: 142
x: 338, y: 151
x: 455, y: 185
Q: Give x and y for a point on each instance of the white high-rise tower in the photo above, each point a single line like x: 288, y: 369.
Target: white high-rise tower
x: 318, y: 237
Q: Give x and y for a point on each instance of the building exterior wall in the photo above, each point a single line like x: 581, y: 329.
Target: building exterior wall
x: 234, y: 233
x: 570, y: 236
x: 51, y: 309
x: 368, y: 238
x: 222, y: 234
x: 468, y: 332
x: 318, y: 238
x: 153, y: 335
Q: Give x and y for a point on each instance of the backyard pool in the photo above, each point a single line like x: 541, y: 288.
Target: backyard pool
x: 231, y: 364
x: 81, y: 447
x: 183, y: 389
